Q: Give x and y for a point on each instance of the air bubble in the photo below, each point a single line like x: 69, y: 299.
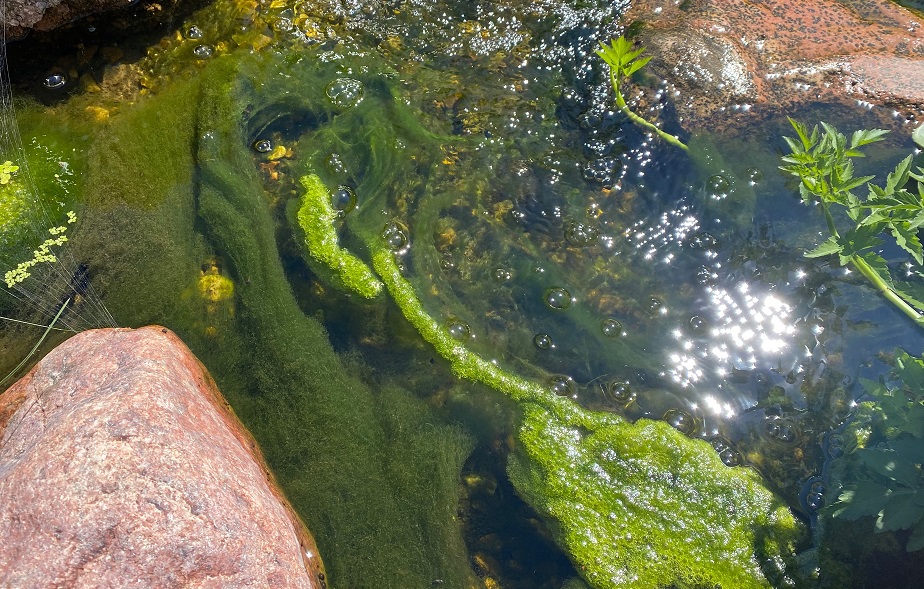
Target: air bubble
x: 835, y: 446
x: 680, y: 420
x: 395, y: 236
x: 343, y: 199
x: 335, y: 164
x: 543, y: 341
x: 203, y: 51
x: 558, y: 298
x: 502, y: 275
x: 345, y: 92
x: 781, y: 430
x: 698, y: 325
x: 717, y: 186
x: 283, y: 25
x: 619, y: 391
x: 55, y: 81
x: 581, y: 234
x: 194, y: 33
x: 263, y: 146
x: 704, y: 240
x: 730, y: 457
x: 562, y: 385
x: 458, y: 329
x: 447, y: 264
x: 655, y: 305
x: 755, y: 175
x: 611, y: 327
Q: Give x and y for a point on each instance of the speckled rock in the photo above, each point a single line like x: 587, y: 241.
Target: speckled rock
x: 730, y: 55
x: 122, y: 466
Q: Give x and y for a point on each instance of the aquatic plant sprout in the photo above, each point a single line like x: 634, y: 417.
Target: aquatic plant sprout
x: 625, y: 61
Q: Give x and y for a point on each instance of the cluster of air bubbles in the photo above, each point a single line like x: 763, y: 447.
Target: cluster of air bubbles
x: 458, y: 329
x: 558, y: 298
x: 343, y: 199
x: 727, y: 454
x: 705, y: 276
x: 581, y: 234
x: 781, y: 430
x: 283, y: 23
x: 603, y: 170
x: 263, y: 146
x: 203, y: 51
x: 680, y: 420
x: 755, y: 176
x: 562, y: 385
x: 335, y: 164
x: 717, y: 187
x: 345, y: 92
x: 396, y: 237
x: 502, y: 275
x: 54, y: 81
x: 813, y: 494
x: 619, y: 391
x: 834, y: 445
x: 656, y: 306
x: 611, y: 327
x: 194, y: 33
x: 543, y: 341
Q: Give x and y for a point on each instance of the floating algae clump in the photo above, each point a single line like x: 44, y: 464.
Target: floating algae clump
x: 634, y: 504
x: 640, y: 505
x: 316, y: 217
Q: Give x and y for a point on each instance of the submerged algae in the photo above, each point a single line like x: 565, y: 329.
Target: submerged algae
x: 634, y: 504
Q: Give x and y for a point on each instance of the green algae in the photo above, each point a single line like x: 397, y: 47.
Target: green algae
x: 642, y: 506
x: 316, y: 217
x: 634, y: 505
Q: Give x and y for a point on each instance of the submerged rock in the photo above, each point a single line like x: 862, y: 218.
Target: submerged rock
x: 726, y: 55
x: 122, y: 465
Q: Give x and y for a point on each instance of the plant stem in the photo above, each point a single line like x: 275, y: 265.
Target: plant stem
x: 892, y: 296
x: 638, y: 120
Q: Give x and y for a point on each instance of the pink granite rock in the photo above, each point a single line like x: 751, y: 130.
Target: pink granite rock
x: 728, y: 54
x: 122, y: 466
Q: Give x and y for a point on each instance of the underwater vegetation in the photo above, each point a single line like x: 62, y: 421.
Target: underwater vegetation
x: 395, y: 242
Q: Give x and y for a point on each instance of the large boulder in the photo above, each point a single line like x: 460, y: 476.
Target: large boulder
x: 121, y: 465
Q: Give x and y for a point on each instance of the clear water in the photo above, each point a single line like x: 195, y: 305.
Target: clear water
x: 542, y: 228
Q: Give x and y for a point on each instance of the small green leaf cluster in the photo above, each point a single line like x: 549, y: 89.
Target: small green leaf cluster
x: 41, y: 255
x: 823, y: 162
x: 625, y: 61
x: 7, y: 169
x: 889, y: 481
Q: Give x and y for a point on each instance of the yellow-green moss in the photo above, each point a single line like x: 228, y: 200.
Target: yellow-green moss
x: 316, y: 217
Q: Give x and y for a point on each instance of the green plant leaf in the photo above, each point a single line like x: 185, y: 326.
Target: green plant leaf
x: 635, y: 66
x: 890, y: 464
x: 900, y: 512
x: 861, y: 499
x: 865, y: 137
x: 911, y: 372
x: 899, y: 176
x: 828, y: 247
x: 913, y: 450
x: 918, y: 136
x: 907, y: 239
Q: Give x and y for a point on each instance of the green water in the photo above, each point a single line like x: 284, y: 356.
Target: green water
x: 543, y: 230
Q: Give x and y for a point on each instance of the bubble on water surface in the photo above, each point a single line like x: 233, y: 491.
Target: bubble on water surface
x: 203, y: 51
x: 54, y: 81
x: 680, y: 420
x: 543, y: 341
x: 335, y: 164
x: 343, y: 199
x: 194, y: 33
x: 581, y: 234
x: 781, y: 430
x: 717, y: 186
x: 345, y: 92
x: 458, y: 329
x: 558, y: 298
x: 611, y: 327
x: 396, y: 236
x: 263, y: 146
x: 755, y: 175
x: 619, y: 391
x: 562, y: 385
x: 698, y: 325
x: 502, y: 275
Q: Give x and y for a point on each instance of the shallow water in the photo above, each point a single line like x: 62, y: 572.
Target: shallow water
x: 543, y: 229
